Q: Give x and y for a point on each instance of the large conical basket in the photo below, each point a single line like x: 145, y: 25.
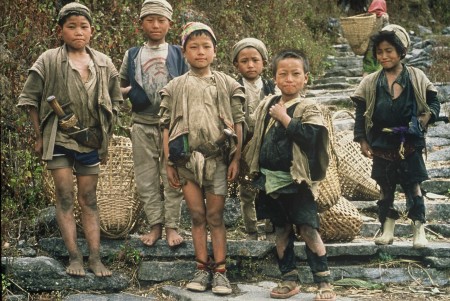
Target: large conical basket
x: 341, y: 223
x: 329, y: 188
x: 357, y: 30
x: 353, y: 168
x: 117, y: 199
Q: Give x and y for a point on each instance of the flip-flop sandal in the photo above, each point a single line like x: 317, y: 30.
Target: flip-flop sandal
x: 323, y: 291
x: 290, y: 287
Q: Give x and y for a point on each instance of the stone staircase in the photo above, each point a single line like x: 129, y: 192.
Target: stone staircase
x: 252, y: 265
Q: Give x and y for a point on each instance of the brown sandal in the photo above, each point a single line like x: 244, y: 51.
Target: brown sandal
x: 324, y: 291
x: 285, y: 290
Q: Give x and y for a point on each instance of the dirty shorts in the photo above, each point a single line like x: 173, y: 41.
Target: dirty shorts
x: 298, y: 208
x: 81, y: 163
x: 218, y: 185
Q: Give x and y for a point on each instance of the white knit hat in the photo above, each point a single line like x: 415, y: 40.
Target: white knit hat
x: 400, y: 33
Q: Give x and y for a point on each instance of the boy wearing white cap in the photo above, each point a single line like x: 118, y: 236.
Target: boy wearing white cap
x: 86, y: 84
x: 144, y: 71
x: 250, y: 56
x: 394, y: 107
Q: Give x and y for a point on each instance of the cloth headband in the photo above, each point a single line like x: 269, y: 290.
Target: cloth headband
x: 250, y: 42
x: 195, y: 26
x: 76, y: 9
x: 156, y: 7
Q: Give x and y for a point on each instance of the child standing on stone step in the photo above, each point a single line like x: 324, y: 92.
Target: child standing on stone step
x: 250, y: 56
x: 86, y: 83
x: 393, y: 109
x: 145, y: 70
x: 197, y: 109
x: 287, y: 157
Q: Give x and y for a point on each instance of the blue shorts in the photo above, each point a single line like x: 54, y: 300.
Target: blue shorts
x: 81, y: 163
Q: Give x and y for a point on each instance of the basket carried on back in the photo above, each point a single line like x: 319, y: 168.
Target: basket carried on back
x: 353, y: 168
x: 117, y: 199
x: 357, y: 30
x: 329, y: 188
x: 341, y: 223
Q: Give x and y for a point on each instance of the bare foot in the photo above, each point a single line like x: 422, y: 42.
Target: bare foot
x: 75, y: 267
x: 98, y: 268
x: 173, y: 238
x: 152, y: 237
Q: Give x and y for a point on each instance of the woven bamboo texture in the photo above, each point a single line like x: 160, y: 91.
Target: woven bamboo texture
x: 117, y: 199
x: 329, y: 188
x: 357, y: 30
x: 341, y: 223
x: 354, y: 169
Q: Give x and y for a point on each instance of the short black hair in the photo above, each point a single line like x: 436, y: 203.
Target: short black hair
x: 287, y: 54
x: 391, y: 38
x: 198, y: 33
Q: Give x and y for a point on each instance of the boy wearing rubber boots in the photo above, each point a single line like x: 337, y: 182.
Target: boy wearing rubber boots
x: 394, y: 107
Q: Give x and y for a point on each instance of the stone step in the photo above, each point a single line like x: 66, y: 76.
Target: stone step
x: 253, y: 250
x: 369, y: 229
x: 436, y: 210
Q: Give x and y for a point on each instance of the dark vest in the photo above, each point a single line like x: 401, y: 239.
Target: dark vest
x: 175, y: 64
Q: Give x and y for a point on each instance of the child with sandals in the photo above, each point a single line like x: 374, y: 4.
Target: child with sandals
x: 287, y: 157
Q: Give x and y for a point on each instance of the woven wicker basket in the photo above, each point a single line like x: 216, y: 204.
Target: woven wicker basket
x: 341, y: 223
x: 329, y: 188
x: 117, y: 200
x: 357, y: 30
x: 353, y: 168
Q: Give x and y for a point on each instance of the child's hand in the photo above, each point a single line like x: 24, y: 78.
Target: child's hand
x: 365, y: 149
x: 279, y: 113
x: 233, y: 170
x: 172, y: 177
x: 39, y: 146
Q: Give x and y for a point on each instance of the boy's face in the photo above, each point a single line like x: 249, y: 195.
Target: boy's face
x: 200, y: 52
x: 76, y: 32
x: 290, y: 77
x: 249, y: 63
x: 387, y: 55
x: 155, y: 28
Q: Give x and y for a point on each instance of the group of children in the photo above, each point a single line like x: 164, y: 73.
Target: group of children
x: 190, y: 125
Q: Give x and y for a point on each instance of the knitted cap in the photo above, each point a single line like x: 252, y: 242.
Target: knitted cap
x: 75, y: 8
x: 400, y: 33
x: 250, y: 42
x: 156, y: 7
x: 195, y: 26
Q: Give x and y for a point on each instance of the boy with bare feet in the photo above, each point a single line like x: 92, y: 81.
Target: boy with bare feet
x: 76, y: 76
x: 144, y: 71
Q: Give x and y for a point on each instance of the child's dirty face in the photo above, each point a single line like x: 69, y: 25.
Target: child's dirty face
x: 387, y: 55
x: 199, y: 51
x: 249, y: 63
x: 76, y: 32
x: 155, y: 27
x: 290, y: 76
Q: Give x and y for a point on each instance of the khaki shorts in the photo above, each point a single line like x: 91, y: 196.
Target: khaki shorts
x: 64, y: 161
x: 218, y: 185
